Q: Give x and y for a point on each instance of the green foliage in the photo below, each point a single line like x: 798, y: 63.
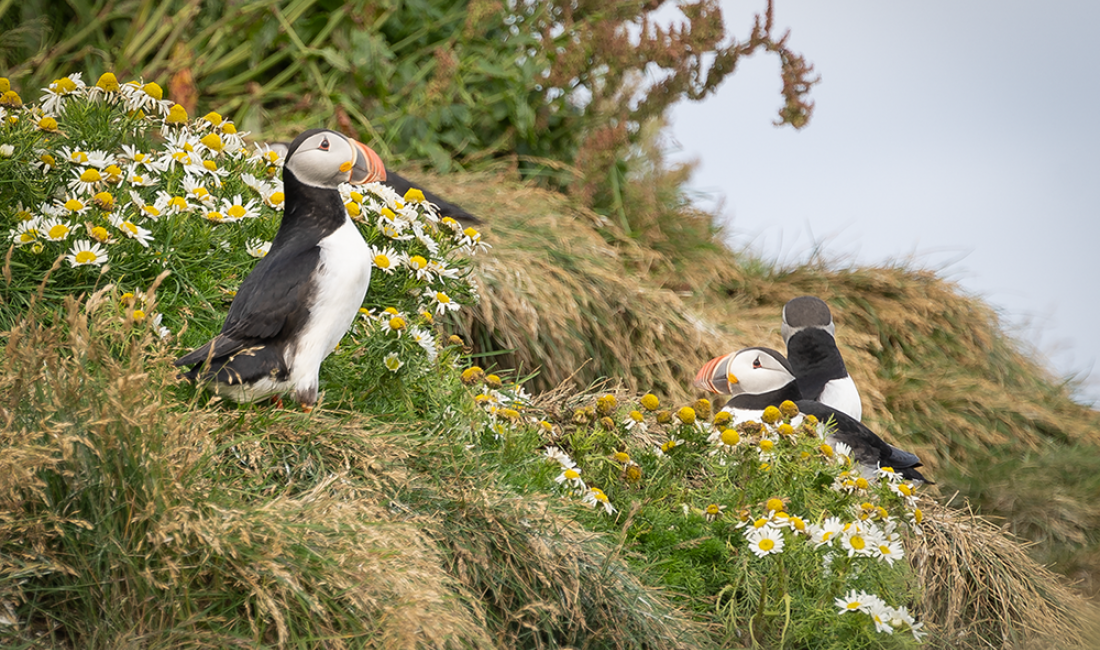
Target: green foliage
x: 166, y: 196
x: 693, y: 497
x: 541, y: 83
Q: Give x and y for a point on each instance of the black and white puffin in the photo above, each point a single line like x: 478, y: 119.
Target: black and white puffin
x: 302, y: 297
x: 809, y: 334
x: 757, y: 378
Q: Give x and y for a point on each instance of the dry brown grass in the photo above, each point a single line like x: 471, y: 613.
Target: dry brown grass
x: 211, y: 527
x: 980, y: 589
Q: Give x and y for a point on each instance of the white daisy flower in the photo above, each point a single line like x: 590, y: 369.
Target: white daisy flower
x: 824, y: 534
x: 392, y: 362
x: 265, y: 154
x: 137, y: 177
x: 26, y: 232
x: 75, y: 156
x: 85, y: 253
x: 859, y: 540
x: 174, y: 205
x: 196, y: 191
x: 145, y: 97
x: 238, y: 209
x: 425, y: 340
x: 442, y: 301
x: 571, y: 477
x: 85, y: 181
x: 881, y: 613
x: 253, y: 183
x: 857, y: 601
x: 132, y: 230
x: 385, y: 259
x: 273, y: 195
x: 557, y: 455
x: 889, y: 474
x: 765, y: 541
x: 595, y: 496
x: 55, y: 230
x: 887, y: 551
x: 60, y: 91
x: 258, y: 247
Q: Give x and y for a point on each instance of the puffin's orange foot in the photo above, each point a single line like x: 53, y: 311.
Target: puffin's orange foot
x: 277, y: 401
x: 307, y: 408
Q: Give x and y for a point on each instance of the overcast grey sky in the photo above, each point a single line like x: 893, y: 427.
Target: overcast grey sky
x: 963, y: 134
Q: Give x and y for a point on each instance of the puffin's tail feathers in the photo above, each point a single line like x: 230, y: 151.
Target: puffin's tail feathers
x: 445, y: 208
x: 242, y: 366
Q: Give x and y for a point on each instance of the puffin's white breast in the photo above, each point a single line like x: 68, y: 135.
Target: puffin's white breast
x: 842, y: 395
x: 339, y: 285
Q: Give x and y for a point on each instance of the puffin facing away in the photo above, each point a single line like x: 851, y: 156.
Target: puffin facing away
x: 809, y: 334
x: 761, y: 377
x: 301, y: 298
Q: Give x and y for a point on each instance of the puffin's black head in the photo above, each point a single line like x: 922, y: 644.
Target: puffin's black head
x: 807, y: 311
x: 323, y: 158
x: 753, y: 370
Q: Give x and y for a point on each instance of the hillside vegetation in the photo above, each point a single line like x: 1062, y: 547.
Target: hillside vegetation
x: 508, y: 452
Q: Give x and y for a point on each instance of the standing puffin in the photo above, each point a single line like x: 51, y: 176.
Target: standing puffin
x: 809, y: 333
x: 761, y: 377
x: 301, y: 298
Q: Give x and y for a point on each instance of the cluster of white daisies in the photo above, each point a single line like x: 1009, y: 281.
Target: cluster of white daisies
x: 106, y: 198
x: 170, y: 171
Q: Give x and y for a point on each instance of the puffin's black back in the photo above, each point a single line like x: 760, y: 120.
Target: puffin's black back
x: 815, y: 358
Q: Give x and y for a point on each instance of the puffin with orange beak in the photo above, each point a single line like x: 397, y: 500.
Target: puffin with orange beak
x: 302, y: 297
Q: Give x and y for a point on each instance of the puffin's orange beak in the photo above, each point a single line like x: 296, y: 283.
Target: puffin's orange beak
x: 714, y: 376
x: 368, y: 167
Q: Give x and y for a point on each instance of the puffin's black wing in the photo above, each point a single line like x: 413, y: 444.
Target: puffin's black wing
x: 446, y: 208
x: 271, y: 304
x: 868, y: 449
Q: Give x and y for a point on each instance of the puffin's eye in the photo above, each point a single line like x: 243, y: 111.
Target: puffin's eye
x: 756, y: 362
x: 324, y: 145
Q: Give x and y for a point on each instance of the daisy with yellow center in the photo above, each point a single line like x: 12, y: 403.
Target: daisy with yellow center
x: 385, y: 259
x: 257, y: 247
x: 650, y: 402
x: 826, y: 533
x: 856, y: 541
x: 86, y: 253
x: 713, y: 511
x: 26, y: 232
x: 442, y: 301
x: 274, y: 198
x: 856, y: 601
x: 236, y: 209
x: 765, y: 541
x: 396, y: 324
x: 133, y: 231
x: 596, y: 497
x: 55, y: 230
x: 571, y: 477
x: 86, y: 181
x: 392, y: 362
x: 414, y: 195
x: 176, y: 115
x: 47, y: 124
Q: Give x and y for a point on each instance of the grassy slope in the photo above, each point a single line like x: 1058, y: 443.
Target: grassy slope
x: 937, y: 374
x: 259, y: 540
